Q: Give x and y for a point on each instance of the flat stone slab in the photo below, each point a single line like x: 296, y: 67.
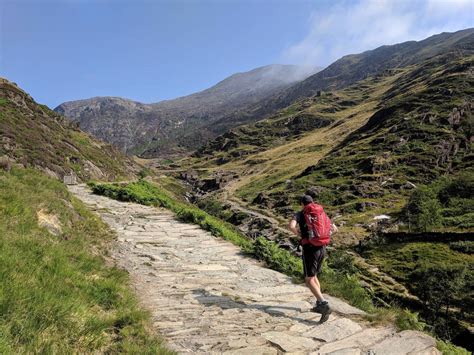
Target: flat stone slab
x: 348, y: 351
x: 407, y: 342
x: 206, y: 297
x: 335, y: 330
x: 363, y: 340
x: 342, y: 307
x: 291, y: 343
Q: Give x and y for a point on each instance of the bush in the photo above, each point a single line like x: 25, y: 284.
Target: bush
x: 423, y: 210
x: 144, y: 173
x: 342, y: 262
x: 464, y: 247
x: 409, y: 320
x: 278, y: 259
x: 446, y: 202
x: 450, y: 349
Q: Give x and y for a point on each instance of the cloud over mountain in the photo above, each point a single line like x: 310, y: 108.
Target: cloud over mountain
x: 355, y: 26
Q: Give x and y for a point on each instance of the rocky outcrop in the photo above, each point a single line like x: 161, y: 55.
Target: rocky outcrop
x: 174, y: 126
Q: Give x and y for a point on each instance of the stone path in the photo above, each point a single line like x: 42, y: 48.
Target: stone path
x: 206, y: 297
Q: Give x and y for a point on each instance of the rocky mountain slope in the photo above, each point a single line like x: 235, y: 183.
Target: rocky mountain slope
x: 183, y: 123
x: 359, y: 150
x: 32, y: 135
x: 355, y: 67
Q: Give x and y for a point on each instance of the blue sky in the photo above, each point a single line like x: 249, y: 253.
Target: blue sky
x: 61, y: 50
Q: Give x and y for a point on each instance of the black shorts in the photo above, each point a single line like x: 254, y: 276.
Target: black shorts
x: 313, y: 259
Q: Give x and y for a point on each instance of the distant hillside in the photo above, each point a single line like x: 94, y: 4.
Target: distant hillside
x: 352, y: 68
x: 360, y: 150
x: 183, y: 123
x: 35, y: 136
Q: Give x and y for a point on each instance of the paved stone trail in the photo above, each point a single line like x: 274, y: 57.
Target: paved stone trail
x: 206, y: 297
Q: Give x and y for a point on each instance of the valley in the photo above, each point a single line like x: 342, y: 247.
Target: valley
x: 382, y: 139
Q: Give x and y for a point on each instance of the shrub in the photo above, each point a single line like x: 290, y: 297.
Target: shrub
x: 464, y: 246
x: 450, y: 349
x: 406, y: 320
x: 277, y: 258
x: 423, y: 210
x: 144, y: 173
x: 342, y: 262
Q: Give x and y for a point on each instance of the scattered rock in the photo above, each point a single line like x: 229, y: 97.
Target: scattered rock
x: 263, y: 199
x: 362, y: 206
x: 381, y: 217
x: 409, y: 185
x: 5, y: 163
x: 50, y: 222
x: 315, y: 191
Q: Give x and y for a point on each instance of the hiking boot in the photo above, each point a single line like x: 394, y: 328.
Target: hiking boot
x: 326, y: 311
x: 320, y: 307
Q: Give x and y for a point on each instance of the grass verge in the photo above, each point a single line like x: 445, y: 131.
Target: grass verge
x: 57, y: 294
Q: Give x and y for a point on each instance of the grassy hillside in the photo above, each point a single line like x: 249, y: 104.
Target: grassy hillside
x: 360, y: 151
x: 57, y: 293
x: 35, y: 136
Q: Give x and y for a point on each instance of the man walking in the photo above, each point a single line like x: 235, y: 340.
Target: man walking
x: 314, y: 227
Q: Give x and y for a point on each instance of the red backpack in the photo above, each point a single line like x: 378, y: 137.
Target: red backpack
x: 318, y: 224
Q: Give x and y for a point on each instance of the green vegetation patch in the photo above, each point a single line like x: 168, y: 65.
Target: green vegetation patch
x: 448, y: 202
x: 57, y: 295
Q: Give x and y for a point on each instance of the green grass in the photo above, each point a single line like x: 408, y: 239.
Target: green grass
x: 450, y: 349
x: 401, y: 259
x: 57, y: 294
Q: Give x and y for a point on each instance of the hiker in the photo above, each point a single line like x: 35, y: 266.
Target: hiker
x: 315, y: 235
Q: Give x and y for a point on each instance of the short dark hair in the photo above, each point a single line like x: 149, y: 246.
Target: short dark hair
x: 306, y: 199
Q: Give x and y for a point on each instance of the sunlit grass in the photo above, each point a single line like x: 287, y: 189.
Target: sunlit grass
x: 57, y: 294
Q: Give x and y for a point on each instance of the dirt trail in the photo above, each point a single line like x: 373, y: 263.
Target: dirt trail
x: 206, y: 297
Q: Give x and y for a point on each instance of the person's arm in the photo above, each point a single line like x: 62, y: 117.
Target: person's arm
x: 293, y: 227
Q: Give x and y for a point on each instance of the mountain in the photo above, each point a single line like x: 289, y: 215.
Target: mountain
x: 35, y: 136
x: 355, y: 67
x: 361, y: 149
x: 183, y: 123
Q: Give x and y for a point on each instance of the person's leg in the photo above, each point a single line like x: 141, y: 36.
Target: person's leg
x: 313, y: 284
x: 310, y: 264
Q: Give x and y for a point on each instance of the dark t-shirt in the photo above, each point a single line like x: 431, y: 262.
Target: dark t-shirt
x: 299, y: 218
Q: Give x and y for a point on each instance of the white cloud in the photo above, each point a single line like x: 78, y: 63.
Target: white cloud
x: 356, y: 26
